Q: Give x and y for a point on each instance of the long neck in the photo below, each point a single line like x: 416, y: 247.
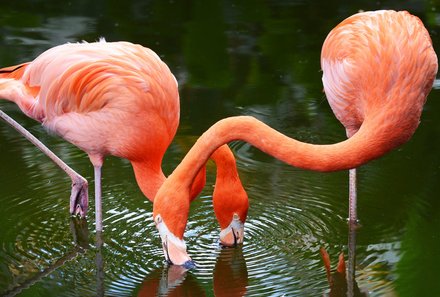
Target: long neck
x: 198, y: 184
x: 229, y: 197
x: 373, y: 139
x: 226, y: 171
x: 370, y: 142
x: 225, y: 162
x: 149, y: 177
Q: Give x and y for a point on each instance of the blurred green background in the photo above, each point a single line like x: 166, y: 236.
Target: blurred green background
x: 258, y: 58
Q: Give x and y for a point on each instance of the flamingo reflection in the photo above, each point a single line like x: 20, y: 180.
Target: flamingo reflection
x: 80, y: 235
x: 342, y: 281
x: 230, y: 278
x: 170, y: 281
x: 230, y: 273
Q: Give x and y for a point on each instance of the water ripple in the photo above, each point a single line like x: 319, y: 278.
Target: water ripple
x: 292, y: 214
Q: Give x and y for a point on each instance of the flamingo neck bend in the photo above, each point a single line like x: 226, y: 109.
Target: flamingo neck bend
x: 150, y: 177
x: 362, y: 147
x: 229, y: 199
x: 359, y: 149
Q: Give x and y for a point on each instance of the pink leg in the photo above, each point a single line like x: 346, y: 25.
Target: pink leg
x: 98, y: 198
x: 79, y: 198
x: 352, y: 197
x: 97, y: 161
x: 351, y: 269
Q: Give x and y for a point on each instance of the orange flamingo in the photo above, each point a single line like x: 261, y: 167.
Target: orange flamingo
x: 378, y: 68
x: 110, y: 99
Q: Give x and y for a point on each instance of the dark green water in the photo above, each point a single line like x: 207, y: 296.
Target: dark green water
x: 259, y: 59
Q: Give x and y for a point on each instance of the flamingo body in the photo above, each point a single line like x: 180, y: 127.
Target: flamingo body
x: 109, y: 99
x: 364, y: 87
x: 98, y: 96
x: 375, y: 64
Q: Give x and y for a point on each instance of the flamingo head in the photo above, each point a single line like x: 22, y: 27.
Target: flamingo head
x: 174, y: 248
x: 233, y: 234
x: 170, y: 214
x: 231, y: 206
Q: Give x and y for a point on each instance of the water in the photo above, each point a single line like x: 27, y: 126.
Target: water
x: 259, y: 59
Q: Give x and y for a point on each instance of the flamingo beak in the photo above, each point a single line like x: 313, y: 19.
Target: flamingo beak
x: 174, y: 255
x: 233, y: 235
x: 174, y: 248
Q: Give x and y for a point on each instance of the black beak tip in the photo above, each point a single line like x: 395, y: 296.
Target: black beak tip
x: 189, y: 265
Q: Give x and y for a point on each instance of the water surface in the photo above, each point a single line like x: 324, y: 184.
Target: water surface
x: 259, y: 59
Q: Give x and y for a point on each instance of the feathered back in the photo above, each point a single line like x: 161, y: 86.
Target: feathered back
x: 84, y: 77
x: 375, y: 59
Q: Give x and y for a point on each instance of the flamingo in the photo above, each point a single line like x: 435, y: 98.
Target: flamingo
x: 378, y: 68
x: 111, y: 98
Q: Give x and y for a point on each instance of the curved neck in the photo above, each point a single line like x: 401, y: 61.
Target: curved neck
x: 225, y: 162
x: 198, y: 184
x: 229, y: 197
x: 149, y: 177
x: 370, y: 142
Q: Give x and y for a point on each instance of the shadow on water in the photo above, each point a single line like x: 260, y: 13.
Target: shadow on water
x: 170, y: 281
x: 230, y: 273
x: 99, y: 260
x: 259, y: 59
x: 80, y: 233
x: 230, y: 278
x: 342, y: 282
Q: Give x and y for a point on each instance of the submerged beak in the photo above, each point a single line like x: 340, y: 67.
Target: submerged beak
x: 233, y: 234
x: 174, y: 248
x: 175, y: 255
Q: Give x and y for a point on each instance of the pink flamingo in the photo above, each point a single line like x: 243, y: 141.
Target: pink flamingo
x: 111, y: 99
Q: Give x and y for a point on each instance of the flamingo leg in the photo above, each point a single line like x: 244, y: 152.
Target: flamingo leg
x: 98, y: 198
x: 351, y: 269
x: 79, y: 195
x: 352, y: 197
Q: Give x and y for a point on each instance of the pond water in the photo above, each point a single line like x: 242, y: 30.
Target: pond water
x: 230, y: 58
